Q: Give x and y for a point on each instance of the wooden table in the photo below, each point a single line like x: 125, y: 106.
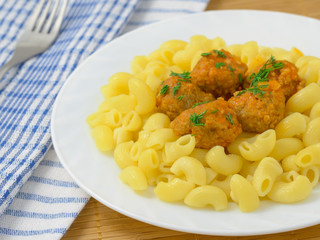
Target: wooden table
x: 97, y: 222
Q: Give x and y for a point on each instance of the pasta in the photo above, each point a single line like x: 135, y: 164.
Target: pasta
x: 143, y: 95
x: 103, y: 137
x: 183, y: 146
x: 312, y: 134
x: 281, y: 163
x: 289, y: 192
x: 285, y: 147
x: 308, y: 156
x: 131, y: 121
x: 291, y: 126
x: 289, y: 164
x: 312, y: 173
x: 157, y: 121
x: 304, y: 99
x: 173, y: 191
x: 258, y: 147
x: 191, y: 168
x: 122, y: 155
x: 265, y: 175
x: 134, y: 177
x: 207, y: 195
x: 123, y: 103
x: 244, y: 193
x: 160, y: 137
x: 121, y: 135
x: 226, y: 164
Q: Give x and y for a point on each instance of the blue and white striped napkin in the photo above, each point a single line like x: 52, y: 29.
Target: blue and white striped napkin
x: 38, y: 199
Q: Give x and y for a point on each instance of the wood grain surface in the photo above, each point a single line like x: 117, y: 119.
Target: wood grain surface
x: 97, y: 222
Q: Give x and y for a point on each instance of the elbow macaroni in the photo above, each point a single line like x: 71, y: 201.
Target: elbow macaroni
x: 281, y: 164
x: 304, y: 99
x: 207, y: 195
x: 291, y: 126
x: 290, y: 192
x: 173, y: 191
x: 265, y: 175
x: 312, y: 134
x: 143, y: 94
x: 157, y: 121
x: 226, y: 164
x: 243, y: 193
x: 258, y: 147
x: 183, y: 146
x: 285, y: 147
x: 191, y: 168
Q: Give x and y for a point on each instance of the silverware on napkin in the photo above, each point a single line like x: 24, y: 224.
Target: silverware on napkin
x: 40, y: 31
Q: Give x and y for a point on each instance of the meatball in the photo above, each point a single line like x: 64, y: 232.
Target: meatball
x: 287, y: 76
x: 219, y: 72
x: 174, y: 96
x: 213, y: 123
x: 259, y: 108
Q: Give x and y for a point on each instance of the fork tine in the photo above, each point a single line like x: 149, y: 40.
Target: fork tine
x: 33, y: 18
x: 59, y: 19
x: 42, y: 17
x: 50, y: 19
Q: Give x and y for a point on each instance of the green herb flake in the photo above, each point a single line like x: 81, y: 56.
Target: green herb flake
x: 176, y: 88
x: 193, y: 135
x: 229, y: 118
x: 220, y: 54
x: 206, y: 54
x: 219, y: 64
x: 241, y: 92
x: 164, y: 89
x: 231, y: 69
x: 199, y: 103
x: 214, y: 111
x: 240, y: 78
x: 195, y: 119
x: 184, y: 80
x: 262, y: 75
x: 184, y: 75
x: 257, y: 90
x: 254, y: 90
x: 180, y: 97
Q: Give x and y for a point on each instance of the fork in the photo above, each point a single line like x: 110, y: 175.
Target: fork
x: 40, y: 31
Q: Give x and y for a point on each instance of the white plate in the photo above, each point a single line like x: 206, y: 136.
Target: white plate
x: 98, y: 174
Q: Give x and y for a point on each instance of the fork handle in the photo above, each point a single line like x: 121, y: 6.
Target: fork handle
x: 3, y: 70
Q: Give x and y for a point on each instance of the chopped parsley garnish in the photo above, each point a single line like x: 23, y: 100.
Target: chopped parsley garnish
x: 254, y: 90
x: 184, y: 75
x: 183, y: 80
x: 214, y: 111
x: 180, y: 97
x: 230, y: 68
x: 164, y: 89
x: 195, y: 119
x: 199, y: 103
x: 262, y: 75
x: 193, y: 135
x: 229, y: 118
x: 176, y: 88
x: 240, y: 78
x: 206, y: 54
x: 219, y: 64
x: 220, y: 54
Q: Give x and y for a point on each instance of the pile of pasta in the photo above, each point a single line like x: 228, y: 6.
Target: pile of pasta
x: 281, y: 164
